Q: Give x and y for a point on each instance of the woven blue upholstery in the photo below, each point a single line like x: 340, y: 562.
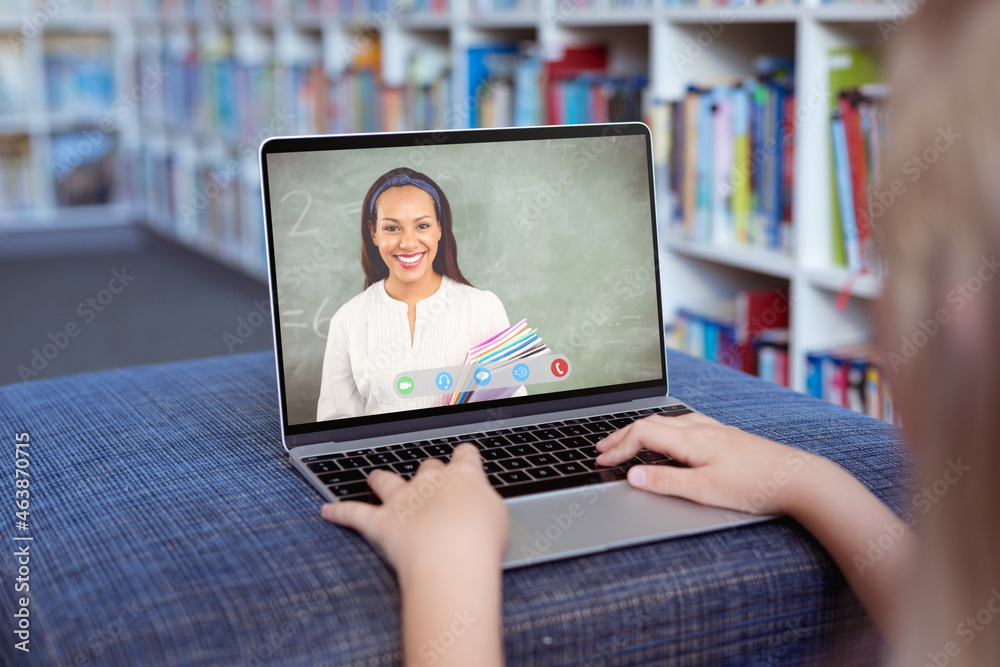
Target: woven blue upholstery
x: 170, y: 529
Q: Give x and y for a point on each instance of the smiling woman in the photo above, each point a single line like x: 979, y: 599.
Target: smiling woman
x: 417, y: 310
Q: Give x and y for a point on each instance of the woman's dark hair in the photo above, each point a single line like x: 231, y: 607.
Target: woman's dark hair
x: 446, y: 260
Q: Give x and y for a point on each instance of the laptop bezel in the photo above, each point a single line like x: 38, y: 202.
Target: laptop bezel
x: 492, y: 412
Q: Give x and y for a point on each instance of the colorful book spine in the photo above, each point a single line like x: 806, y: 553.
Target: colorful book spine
x: 732, y: 166
x: 723, y: 163
x: 736, y: 333
x: 851, y: 377
x: 845, y: 194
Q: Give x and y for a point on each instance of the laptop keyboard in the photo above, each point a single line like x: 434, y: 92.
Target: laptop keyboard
x: 518, y: 461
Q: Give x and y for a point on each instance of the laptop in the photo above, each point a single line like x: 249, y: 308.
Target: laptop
x: 494, y: 286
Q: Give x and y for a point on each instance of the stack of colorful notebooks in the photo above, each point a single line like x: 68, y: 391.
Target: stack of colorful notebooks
x: 515, y: 343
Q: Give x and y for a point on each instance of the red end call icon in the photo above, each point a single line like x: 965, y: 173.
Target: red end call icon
x: 560, y: 367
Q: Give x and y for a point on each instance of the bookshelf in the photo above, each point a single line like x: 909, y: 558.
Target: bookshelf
x: 188, y: 158
x: 59, y: 141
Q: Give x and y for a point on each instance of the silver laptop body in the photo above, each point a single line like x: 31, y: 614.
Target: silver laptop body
x: 559, y: 224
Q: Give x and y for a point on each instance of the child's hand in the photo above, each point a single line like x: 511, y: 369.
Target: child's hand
x: 446, y: 513
x: 729, y: 467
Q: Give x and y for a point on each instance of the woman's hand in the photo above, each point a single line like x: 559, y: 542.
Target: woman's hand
x: 729, y: 468
x: 445, y: 512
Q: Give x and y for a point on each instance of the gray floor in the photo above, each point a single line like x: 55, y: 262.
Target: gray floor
x: 93, y: 299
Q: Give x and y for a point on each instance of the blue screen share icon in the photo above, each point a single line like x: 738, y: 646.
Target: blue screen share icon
x: 521, y: 372
x: 482, y: 377
x: 443, y: 381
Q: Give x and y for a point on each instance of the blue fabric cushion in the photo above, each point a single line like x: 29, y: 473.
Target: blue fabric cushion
x: 170, y: 529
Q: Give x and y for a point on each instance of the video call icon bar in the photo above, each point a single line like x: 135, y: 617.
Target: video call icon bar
x: 438, y: 381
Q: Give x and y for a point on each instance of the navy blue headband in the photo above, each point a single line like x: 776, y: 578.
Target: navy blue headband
x: 400, y: 180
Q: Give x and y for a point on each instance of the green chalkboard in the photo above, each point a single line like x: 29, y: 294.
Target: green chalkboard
x: 559, y: 230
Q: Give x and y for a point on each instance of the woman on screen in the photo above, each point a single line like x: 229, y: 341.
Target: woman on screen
x: 417, y: 310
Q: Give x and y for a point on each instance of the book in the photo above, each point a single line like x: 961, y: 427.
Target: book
x: 735, y: 333
x: 12, y: 78
x: 772, y: 356
x: 851, y: 376
x: 500, y: 351
x: 17, y: 181
x: 848, y: 69
x: 490, y: 66
x: 858, y: 165
x: 79, y: 73
x: 575, y: 60
x: 83, y: 167
x: 732, y: 163
x: 758, y: 311
x: 845, y: 195
x: 723, y: 232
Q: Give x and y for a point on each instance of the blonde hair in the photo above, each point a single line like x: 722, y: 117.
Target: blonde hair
x: 940, y: 321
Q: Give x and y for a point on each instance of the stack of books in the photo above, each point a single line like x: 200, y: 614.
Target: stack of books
x: 749, y: 333
x: 355, y: 96
x: 859, y: 129
x: 512, y: 85
x: 730, y: 159
x: 852, y: 377
x: 79, y: 75
x: 306, y: 87
x: 503, y: 350
x: 427, y: 94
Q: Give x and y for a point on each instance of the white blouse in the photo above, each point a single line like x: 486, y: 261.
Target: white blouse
x: 369, y: 345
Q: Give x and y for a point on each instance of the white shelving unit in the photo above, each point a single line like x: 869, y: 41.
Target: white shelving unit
x: 28, y: 29
x: 674, y: 46
x: 829, y: 307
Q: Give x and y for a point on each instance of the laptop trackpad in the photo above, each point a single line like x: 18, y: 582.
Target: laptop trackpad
x: 602, y: 517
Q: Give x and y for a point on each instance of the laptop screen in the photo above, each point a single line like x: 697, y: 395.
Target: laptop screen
x: 430, y: 274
